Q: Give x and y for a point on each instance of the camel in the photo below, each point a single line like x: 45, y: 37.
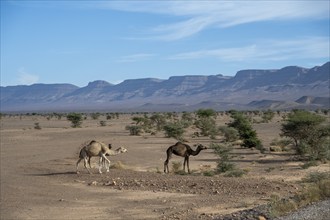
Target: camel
x: 182, y: 150
x: 95, y: 148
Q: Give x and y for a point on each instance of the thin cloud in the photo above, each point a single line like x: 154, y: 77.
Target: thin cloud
x: 135, y: 58
x: 268, y: 50
x: 26, y: 78
x: 196, y: 16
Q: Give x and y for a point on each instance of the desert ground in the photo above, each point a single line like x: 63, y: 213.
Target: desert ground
x: 39, y: 179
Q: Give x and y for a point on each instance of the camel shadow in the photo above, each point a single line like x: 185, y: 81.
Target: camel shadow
x: 52, y: 174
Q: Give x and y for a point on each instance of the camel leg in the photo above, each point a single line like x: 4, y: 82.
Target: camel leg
x: 188, y: 164
x: 105, y: 164
x: 168, y: 157
x: 89, y: 162
x: 77, y: 164
x: 100, y: 165
x: 85, y: 165
x: 103, y: 157
x: 166, y: 166
x: 184, y: 164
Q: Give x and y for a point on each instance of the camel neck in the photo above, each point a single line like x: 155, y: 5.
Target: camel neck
x: 113, y: 152
x: 195, y: 152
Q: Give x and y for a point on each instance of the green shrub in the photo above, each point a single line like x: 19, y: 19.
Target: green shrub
x: 308, y: 164
x: 174, y: 129
x: 134, y: 129
x: 310, y: 135
x: 230, y: 133
x: 206, y: 113
x: 209, y: 173
x: 224, y: 166
x: 75, y: 119
x: 223, y: 152
x: 207, y: 126
x: 244, y: 128
x: 159, y: 120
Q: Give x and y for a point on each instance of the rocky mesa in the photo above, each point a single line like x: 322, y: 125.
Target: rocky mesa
x: 285, y: 88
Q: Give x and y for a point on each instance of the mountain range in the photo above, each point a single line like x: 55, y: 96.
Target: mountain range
x: 286, y: 88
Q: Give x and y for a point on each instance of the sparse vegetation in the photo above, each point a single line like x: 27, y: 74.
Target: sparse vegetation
x: 95, y: 115
x: 267, y: 173
x: 268, y: 116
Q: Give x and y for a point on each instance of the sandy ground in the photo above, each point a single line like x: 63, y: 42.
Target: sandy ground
x: 38, y: 179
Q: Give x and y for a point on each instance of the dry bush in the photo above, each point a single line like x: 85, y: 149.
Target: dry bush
x: 119, y: 165
x: 176, y: 166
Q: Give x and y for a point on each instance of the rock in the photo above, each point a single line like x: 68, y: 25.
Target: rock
x: 94, y: 183
x: 111, y: 183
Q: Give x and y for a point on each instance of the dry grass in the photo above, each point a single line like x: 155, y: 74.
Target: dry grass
x: 119, y: 165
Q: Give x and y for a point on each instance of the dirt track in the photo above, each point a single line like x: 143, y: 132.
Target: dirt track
x: 38, y: 179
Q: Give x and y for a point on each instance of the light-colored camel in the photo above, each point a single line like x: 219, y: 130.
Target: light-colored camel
x: 96, y: 148
x: 182, y: 150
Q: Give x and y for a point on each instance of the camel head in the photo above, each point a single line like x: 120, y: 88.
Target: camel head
x: 122, y: 150
x: 200, y: 146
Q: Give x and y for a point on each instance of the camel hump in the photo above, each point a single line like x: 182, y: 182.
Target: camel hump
x: 93, y: 141
x: 180, y: 144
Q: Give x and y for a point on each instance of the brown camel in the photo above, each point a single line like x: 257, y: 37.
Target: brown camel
x: 182, y: 150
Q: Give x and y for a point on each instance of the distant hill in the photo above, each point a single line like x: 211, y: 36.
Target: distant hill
x: 289, y: 87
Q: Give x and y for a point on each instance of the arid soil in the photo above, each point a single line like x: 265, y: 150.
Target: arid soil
x: 38, y: 178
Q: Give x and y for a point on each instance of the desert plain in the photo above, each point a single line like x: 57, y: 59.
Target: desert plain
x: 39, y: 179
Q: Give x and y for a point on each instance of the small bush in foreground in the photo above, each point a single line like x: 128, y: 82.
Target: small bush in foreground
x: 223, y: 151
x: 315, y: 177
x: 235, y: 173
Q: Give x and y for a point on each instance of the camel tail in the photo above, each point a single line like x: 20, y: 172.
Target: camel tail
x: 82, y: 153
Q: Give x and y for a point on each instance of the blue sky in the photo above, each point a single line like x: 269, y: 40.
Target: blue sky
x: 81, y: 41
